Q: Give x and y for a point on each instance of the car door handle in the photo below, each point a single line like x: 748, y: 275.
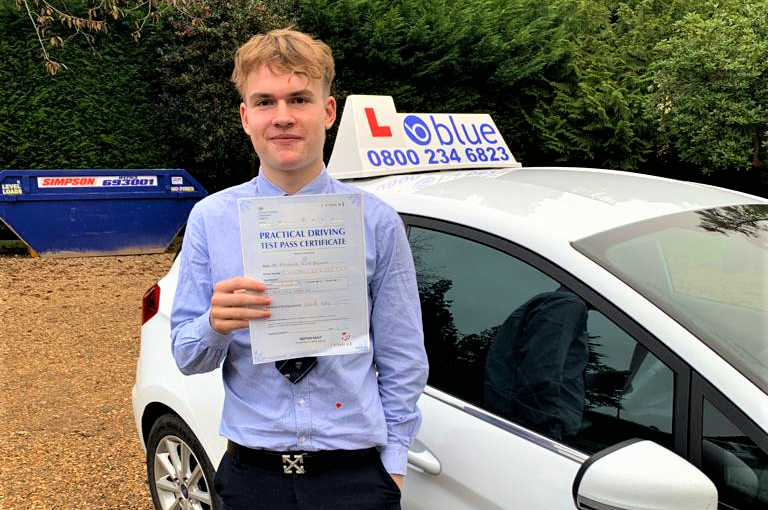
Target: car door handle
x: 425, y: 461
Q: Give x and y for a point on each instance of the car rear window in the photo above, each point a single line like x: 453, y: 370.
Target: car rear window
x: 707, y: 269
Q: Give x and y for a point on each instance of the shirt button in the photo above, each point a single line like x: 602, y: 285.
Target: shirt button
x: 301, y: 402
x: 301, y: 439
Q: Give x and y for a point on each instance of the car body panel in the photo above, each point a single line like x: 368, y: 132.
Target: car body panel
x: 488, y: 456
x: 570, y: 203
x: 197, y: 399
x: 547, y: 228
x: 485, y: 461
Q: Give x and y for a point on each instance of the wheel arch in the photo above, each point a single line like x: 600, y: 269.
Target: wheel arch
x: 152, y: 412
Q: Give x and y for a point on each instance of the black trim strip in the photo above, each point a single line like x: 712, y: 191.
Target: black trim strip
x: 594, y: 458
x: 591, y: 504
x: 701, y: 389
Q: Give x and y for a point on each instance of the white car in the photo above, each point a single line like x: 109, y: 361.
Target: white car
x: 596, y: 339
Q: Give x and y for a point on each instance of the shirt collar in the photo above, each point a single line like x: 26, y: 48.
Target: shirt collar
x: 316, y: 186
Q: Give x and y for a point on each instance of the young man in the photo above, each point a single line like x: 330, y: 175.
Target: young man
x: 351, y: 417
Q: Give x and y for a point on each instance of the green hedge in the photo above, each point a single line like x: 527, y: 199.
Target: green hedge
x: 103, y: 112
x: 566, y: 80
x: 200, y: 103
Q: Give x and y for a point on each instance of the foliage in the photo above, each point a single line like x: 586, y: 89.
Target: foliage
x: 101, y: 114
x: 749, y: 220
x: 592, y: 111
x: 674, y: 87
x: 565, y: 80
x: 12, y: 247
x: 596, y: 113
x: 444, y: 55
x: 200, y: 104
x: 710, y: 93
x: 164, y: 100
x: 55, y: 21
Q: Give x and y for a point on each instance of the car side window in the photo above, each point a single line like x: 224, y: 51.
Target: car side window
x: 734, y: 462
x: 629, y: 391
x: 506, y: 337
x: 467, y: 291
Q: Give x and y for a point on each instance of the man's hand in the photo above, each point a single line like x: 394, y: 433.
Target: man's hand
x: 398, y: 480
x: 233, y: 303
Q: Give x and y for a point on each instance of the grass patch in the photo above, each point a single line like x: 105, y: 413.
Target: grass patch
x: 175, y: 245
x: 17, y: 248
x: 13, y: 248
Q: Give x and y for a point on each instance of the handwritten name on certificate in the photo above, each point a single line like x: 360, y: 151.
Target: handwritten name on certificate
x: 309, y: 250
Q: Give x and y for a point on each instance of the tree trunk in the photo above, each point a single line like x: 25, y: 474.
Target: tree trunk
x: 757, y: 140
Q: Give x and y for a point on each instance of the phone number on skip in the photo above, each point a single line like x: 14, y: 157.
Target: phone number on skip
x: 411, y: 157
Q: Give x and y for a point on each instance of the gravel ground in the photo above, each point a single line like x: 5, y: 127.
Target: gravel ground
x: 69, y: 338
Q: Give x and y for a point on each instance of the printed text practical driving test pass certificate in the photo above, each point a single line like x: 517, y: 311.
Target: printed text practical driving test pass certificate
x: 309, y: 250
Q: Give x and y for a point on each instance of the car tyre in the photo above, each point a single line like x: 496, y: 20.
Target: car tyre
x: 179, y: 472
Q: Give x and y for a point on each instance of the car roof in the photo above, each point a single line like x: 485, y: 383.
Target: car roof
x: 568, y: 202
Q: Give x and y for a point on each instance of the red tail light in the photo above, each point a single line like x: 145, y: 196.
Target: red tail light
x: 150, y: 303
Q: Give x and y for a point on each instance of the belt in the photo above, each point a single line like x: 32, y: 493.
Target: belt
x: 296, y: 462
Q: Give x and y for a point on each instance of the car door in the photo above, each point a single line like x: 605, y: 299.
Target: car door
x: 530, y: 373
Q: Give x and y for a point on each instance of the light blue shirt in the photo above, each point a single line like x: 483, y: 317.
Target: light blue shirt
x: 346, y: 402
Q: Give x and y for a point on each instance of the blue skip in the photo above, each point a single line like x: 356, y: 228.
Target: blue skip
x: 78, y: 213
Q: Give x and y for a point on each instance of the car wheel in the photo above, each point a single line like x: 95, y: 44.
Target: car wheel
x: 180, y: 474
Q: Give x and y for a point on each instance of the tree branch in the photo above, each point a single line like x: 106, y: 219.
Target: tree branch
x: 52, y: 66
x: 43, y: 12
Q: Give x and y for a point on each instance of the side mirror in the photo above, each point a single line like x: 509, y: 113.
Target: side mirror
x: 639, y: 474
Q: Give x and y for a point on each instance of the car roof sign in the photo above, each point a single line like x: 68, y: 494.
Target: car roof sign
x: 375, y: 140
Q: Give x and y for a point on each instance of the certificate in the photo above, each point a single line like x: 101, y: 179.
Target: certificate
x: 309, y: 250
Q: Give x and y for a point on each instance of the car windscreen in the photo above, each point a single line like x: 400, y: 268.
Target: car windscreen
x: 707, y: 269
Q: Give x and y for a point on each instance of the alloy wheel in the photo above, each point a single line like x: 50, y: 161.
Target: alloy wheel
x: 179, y: 477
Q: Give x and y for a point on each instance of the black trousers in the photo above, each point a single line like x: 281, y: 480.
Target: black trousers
x: 366, y: 485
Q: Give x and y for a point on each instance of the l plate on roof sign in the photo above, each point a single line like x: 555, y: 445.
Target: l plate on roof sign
x: 375, y: 140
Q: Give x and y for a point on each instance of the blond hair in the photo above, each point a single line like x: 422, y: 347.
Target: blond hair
x: 284, y: 51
